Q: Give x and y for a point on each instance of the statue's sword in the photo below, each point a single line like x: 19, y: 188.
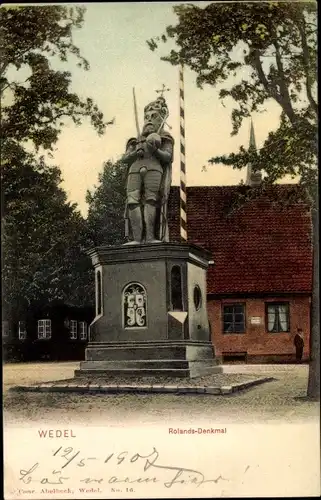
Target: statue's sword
x: 136, y: 113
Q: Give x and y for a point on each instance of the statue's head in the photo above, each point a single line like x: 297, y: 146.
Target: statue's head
x: 154, y: 114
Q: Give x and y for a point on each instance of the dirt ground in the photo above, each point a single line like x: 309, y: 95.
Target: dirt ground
x: 279, y: 400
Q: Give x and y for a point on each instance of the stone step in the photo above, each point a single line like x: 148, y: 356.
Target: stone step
x: 144, y: 364
x: 139, y: 368
x: 132, y: 364
x: 134, y: 372
x: 133, y: 352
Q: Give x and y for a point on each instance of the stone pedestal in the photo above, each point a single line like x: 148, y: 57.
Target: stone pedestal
x: 151, y: 315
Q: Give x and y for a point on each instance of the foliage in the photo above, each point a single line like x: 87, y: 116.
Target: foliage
x: 36, y: 99
x: 106, y: 206
x: 43, y: 238
x: 253, y: 52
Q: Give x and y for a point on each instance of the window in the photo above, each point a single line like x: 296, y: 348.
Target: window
x: 22, y: 332
x: 278, y: 317
x: 73, y: 329
x: 98, y: 302
x: 44, y: 328
x: 197, y: 297
x: 83, y: 330
x: 5, y: 329
x: 234, y: 318
x: 176, y: 288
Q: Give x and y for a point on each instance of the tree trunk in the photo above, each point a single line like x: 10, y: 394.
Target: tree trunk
x: 314, y: 366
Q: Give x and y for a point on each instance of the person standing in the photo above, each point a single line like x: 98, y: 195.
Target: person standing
x: 299, y: 345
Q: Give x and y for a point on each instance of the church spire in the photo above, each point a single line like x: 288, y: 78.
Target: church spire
x: 252, y: 178
x: 252, y: 137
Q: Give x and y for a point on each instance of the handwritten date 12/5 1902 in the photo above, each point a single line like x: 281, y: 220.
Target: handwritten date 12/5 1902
x: 59, y: 476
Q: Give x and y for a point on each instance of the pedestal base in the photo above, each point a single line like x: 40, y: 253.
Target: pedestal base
x: 151, y: 314
x: 176, y: 359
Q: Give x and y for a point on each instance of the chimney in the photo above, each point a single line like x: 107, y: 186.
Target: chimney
x: 252, y: 178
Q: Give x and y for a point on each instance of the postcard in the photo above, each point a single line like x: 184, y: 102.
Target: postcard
x: 160, y: 248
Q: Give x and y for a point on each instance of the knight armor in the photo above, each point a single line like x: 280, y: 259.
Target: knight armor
x: 149, y: 158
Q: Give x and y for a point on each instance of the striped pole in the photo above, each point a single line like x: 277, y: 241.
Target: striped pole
x: 183, y: 216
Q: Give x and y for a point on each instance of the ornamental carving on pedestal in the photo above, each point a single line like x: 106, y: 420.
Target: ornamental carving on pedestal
x: 134, y: 299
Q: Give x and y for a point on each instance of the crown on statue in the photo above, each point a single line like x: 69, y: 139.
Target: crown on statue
x: 159, y: 105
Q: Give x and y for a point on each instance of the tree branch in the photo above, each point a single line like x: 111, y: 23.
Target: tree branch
x: 262, y: 77
x: 284, y: 91
x: 3, y: 66
x: 5, y: 86
x: 44, y: 122
x: 306, y: 57
x: 17, y: 59
x: 282, y: 98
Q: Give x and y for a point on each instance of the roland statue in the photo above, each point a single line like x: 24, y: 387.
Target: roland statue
x: 149, y: 158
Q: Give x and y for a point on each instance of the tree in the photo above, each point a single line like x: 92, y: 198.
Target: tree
x: 36, y: 99
x: 44, y: 236
x: 105, y: 219
x: 268, y: 50
x: 43, y: 239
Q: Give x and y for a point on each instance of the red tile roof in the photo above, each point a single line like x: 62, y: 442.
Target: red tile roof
x: 260, y: 248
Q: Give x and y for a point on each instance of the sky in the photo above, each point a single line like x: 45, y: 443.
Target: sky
x: 113, y: 40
